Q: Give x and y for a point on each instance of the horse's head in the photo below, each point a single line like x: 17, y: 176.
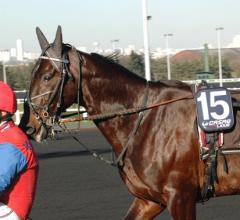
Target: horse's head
x: 54, y: 86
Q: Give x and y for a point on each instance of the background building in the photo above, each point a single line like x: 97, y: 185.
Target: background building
x: 19, y: 48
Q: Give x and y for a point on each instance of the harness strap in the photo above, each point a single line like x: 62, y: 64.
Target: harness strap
x: 94, y: 153
x: 119, y: 160
x: 62, y: 82
x: 210, y: 169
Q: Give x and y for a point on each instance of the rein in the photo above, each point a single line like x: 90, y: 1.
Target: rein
x: 124, y: 112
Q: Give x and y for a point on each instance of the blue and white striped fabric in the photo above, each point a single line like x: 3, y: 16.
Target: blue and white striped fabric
x: 12, y: 162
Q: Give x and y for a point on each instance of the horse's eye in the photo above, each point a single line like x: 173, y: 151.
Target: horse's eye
x: 47, y: 77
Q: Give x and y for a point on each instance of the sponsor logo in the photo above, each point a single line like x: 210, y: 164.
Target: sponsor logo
x: 224, y: 123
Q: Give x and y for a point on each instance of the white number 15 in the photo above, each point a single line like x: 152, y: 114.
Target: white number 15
x: 214, y: 103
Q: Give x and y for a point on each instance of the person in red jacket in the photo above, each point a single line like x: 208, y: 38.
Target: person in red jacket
x: 18, y: 162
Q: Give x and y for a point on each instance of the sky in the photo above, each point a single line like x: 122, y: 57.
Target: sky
x: 192, y: 22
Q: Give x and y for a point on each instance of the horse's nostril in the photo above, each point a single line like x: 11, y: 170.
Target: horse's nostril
x: 30, y: 131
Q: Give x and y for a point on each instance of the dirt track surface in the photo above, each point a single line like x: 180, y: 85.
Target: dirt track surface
x: 73, y: 185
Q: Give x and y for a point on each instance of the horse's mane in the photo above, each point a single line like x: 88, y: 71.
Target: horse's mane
x: 166, y: 83
x: 114, y: 57
x: 111, y: 57
x: 111, y: 60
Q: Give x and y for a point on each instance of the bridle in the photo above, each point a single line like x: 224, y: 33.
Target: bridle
x: 65, y: 74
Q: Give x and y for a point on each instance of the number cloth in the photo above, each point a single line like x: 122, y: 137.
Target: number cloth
x: 214, y: 109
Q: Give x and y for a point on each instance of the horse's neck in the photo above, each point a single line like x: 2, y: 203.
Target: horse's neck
x: 105, y: 93
x: 108, y: 93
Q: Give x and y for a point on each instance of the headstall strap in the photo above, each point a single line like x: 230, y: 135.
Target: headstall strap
x: 61, y: 87
x: 54, y: 59
x: 53, y: 93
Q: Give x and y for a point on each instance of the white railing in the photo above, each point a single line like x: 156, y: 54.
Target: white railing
x: 213, y: 80
x: 17, y: 117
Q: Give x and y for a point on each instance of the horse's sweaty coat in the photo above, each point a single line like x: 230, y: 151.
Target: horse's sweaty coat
x: 161, y: 165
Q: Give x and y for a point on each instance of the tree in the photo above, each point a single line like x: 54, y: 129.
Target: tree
x: 214, y: 68
x: 18, y: 77
x: 179, y: 70
x: 186, y: 70
x: 134, y: 63
x: 159, y: 69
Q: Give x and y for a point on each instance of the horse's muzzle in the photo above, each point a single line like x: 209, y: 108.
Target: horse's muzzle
x: 37, y: 134
x: 30, y: 131
x: 41, y: 134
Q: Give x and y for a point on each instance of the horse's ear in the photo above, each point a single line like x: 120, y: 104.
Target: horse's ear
x: 42, y: 39
x: 57, y: 44
x: 53, y: 51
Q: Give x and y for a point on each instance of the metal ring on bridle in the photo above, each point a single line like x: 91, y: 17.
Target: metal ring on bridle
x: 45, y: 114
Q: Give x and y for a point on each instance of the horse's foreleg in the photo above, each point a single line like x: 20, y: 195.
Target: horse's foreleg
x: 182, y: 206
x: 143, y: 210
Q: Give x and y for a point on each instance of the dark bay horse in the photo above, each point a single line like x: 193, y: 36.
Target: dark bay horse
x: 161, y: 165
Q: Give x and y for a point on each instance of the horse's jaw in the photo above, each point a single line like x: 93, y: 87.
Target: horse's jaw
x: 41, y: 135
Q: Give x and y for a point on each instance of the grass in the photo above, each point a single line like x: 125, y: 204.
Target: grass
x: 20, y: 107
